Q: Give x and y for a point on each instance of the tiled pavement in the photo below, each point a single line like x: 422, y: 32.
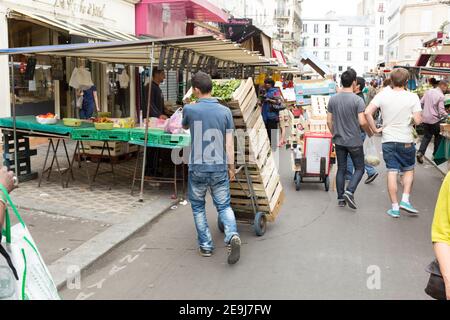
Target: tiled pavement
x: 109, y: 201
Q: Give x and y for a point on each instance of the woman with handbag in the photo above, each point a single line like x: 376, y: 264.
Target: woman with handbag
x: 440, y: 269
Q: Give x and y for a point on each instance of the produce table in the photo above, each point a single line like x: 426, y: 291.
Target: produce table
x: 57, y: 134
x: 443, y: 153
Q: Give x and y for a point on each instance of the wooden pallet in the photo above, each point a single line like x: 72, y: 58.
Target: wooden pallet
x: 319, y: 107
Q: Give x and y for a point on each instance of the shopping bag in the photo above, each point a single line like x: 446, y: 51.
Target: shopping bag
x: 371, y: 155
x: 174, y: 125
x: 80, y: 102
x: 23, y: 273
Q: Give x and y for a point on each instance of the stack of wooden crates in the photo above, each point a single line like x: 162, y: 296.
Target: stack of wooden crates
x: 253, y: 138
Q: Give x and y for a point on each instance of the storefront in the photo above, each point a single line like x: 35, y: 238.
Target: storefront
x: 44, y: 88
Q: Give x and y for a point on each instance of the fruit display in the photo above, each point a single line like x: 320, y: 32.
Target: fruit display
x: 103, y: 120
x: 48, y: 118
x: 103, y: 124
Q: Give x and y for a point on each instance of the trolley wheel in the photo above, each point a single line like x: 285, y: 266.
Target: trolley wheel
x: 260, y: 224
x: 323, y: 165
x: 220, y: 225
x: 327, y: 183
x: 298, y: 181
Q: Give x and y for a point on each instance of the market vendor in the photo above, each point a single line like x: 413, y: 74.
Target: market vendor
x: 90, y: 101
x: 157, y: 97
x: 156, y: 156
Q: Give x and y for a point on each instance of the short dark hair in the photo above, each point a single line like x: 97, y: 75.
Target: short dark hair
x: 361, y: 82
x: 347, y: 79
x: 433, y: 82
x: 270, y: 81
x: 202, y: 82
x: 353, y: 72
x: 156, y: 71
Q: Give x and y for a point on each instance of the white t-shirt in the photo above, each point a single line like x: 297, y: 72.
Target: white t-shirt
x: 397, y: 109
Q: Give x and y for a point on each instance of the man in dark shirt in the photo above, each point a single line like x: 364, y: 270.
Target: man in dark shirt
x: 157, y: 98
x: 156, y: 111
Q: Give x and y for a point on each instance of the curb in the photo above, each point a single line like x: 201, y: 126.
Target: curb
x: 73, y: 264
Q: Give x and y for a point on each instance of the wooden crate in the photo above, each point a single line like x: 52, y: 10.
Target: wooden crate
x: 319, y: 107
x: 116, y: 148
x: 258, y: 155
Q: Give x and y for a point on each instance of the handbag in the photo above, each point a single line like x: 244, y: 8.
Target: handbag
x: 436, y: 285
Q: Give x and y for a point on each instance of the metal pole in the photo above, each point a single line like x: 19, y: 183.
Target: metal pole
x: 13, y: 101
x: 149, y: 104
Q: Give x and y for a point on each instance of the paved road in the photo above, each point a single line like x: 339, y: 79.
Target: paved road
x: 315, y: 250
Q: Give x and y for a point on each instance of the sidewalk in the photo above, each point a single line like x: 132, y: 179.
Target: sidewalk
x: 74, y: 227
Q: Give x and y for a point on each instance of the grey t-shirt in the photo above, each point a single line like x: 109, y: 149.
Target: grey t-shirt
x: 209, y: 122
x: 345, y: 108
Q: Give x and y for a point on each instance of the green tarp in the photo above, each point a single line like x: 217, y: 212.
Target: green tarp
x: 30, y: 123
x: 443, y: 153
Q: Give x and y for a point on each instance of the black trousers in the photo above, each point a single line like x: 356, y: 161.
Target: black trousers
x: 272, y: 127
x: 431, y: 130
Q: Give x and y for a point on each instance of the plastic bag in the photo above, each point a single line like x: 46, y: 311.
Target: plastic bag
x: 371, y: 156
x: 25, y: 276
x: 80, y: 102
x: 81, y: 79
x: 174, y: 125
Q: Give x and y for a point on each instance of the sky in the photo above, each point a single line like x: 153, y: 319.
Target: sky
x: 318, y: 8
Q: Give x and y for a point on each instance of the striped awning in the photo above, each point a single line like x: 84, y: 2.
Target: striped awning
x: 190, y: 50
x: 76, y: 29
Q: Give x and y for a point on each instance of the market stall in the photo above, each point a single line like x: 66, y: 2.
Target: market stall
x: 188, y: 54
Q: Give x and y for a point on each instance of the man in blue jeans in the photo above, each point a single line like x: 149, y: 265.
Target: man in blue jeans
x: 211, y: 126
x: 345, y: 118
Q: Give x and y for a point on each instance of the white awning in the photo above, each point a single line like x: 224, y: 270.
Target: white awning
x: 83, y: 30
x: 139, y: 52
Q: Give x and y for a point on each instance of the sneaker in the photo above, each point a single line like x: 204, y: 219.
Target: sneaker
x: 342, y: 203
x: 350, y: 200
x: 409, y: 208
x: 205, y: 252
x: 234, y: 250
x: 394, y: 213
x: 420, y: 157
x: 372, y: 178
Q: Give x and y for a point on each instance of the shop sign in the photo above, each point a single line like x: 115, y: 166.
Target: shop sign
x: 90, y: 8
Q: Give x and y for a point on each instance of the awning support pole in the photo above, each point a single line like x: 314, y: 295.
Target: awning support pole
x: 13, y: 103
x: 149, y: 104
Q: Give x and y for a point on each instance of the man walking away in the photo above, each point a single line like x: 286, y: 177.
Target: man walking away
x: 345, y: 117
x: 433, y: 112
x: 211, y: 126
x: 400, y: 110
x: 373, y: 89
x: 372, y: 173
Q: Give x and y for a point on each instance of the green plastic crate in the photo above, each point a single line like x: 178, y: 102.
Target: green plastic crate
x: 114, y: 135
x: 85, y: 134
x: 154, y: 136
x: 176, y: 140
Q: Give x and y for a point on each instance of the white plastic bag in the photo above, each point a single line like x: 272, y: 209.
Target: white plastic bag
x: 174, y: 125
x: 27, y: 278
x: 80, y: 101
x: 81, y: 79
x: 371, y: 155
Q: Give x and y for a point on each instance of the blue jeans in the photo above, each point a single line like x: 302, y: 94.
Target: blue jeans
x: 399, y: 157
x: 219, y: 185
x: 357, y: 155
x: 350, y: 168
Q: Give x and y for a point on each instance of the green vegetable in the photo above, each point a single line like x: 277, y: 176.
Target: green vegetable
x: 223, y: 91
